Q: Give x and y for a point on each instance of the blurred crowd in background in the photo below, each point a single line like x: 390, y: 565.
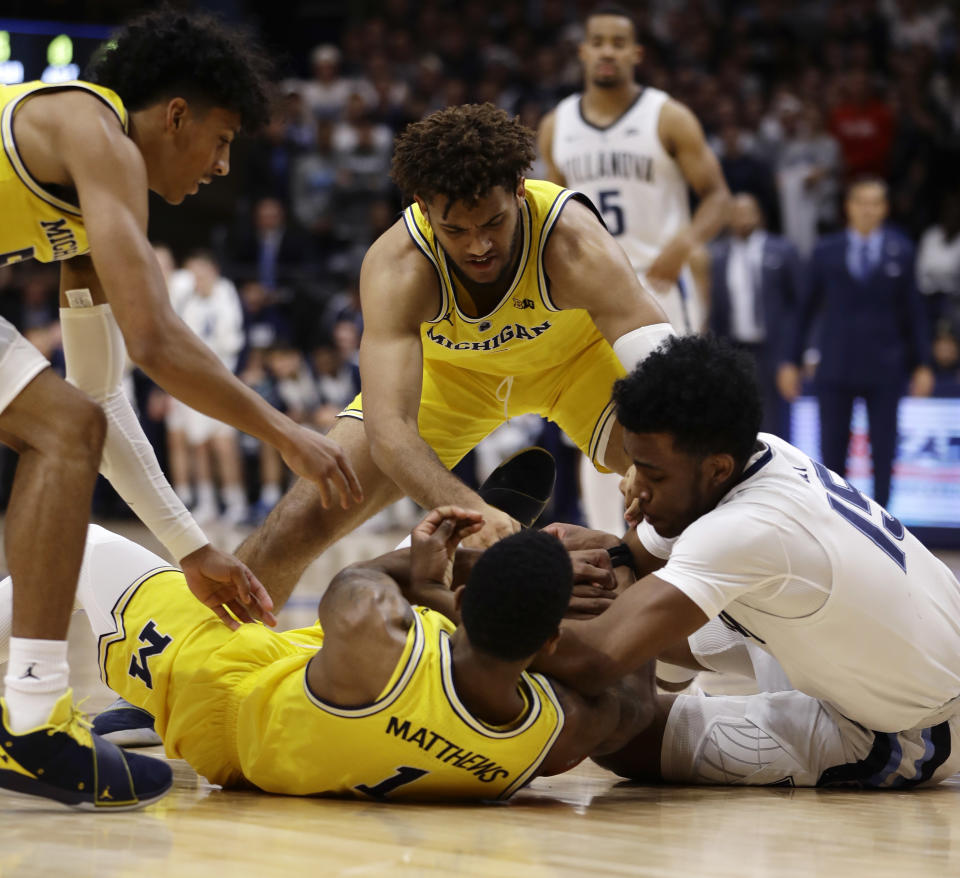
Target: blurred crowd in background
x: 796, y: 99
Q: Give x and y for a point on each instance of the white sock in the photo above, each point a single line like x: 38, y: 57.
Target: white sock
x: 206, y: 497
x: 234, y: 498
x: 6, y: 617
x: 185, y: 493
x: 37, y: 675
x: 270, y: 494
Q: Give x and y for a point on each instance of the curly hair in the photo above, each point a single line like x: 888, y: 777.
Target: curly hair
x: 167, y: 53
x: 700, y: 390
x: 462, y: 153
x: 517, y: 594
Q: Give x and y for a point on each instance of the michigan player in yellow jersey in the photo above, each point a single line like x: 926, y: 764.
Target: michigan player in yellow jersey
x: 167, y: 97
x: 493, y: 296
x: 381, y: 699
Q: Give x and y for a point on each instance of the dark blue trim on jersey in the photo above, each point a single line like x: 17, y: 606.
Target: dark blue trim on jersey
x: 754, y: 467
x: 631, y: 105
x: 423, y: 245
x: 569, y: 195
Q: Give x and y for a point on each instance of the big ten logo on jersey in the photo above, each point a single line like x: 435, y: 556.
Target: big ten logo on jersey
x: 154, y: 644
x: 523, y: 304
x: 61, y: 238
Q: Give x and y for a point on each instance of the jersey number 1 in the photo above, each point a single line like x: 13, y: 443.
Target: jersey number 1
x: 881, y: 538
x: 405, y: 774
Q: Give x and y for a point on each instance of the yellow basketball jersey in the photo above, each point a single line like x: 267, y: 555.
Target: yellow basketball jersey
x: 525, y: 332
x: 35, y: 222
x: 416, y: 741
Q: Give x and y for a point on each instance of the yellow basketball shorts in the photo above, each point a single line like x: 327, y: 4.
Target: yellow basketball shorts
x: 173, y: 657
x: 460, y: 407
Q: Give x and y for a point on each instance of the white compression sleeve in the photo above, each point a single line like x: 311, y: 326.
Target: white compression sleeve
x: 95, y: 354
x: 636, y: 345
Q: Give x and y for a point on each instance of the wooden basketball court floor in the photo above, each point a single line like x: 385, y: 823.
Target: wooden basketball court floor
x: 583, y: 823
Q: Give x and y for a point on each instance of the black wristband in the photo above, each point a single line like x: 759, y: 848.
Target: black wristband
x: 621, y: 556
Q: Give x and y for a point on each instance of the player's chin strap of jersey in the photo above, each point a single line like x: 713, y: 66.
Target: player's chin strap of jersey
x: 96, y: 356
x: 635, y: 346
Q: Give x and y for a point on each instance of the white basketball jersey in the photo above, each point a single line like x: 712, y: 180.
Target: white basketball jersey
x: 625, y: 171
x: 634, y: 183
x: 855, y: 609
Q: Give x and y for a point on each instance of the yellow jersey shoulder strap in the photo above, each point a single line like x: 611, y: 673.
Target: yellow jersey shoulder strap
x: 11, y: 97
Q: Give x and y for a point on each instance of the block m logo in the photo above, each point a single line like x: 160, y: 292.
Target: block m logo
x: 155, y: 644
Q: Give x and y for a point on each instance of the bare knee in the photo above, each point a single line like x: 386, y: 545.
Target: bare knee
x: 77, y: 430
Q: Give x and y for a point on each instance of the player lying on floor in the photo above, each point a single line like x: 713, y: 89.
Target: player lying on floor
x: 380, y: 699
x: 795, y: 568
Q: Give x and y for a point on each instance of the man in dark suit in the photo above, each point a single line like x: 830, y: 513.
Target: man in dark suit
x: 874, y: 339
x: 754, y: 288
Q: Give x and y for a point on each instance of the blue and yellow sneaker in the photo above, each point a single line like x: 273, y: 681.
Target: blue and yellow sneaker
x: 64, y: 762
x: 126, y: 725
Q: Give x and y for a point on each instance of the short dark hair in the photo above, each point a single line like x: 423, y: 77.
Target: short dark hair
x: 462, y: 153
x: 867, y: 180
x: 617, y: 10
x: 517, y: 594
x: 167, y: 53
x: 700, y: 390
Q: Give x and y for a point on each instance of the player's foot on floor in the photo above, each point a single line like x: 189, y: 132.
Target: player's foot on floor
x: 65, y: 762
x: 126, y: 725
x: 522, y: 485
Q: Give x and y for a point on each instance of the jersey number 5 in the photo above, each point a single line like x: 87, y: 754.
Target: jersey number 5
x: 882, y: 538
x: 611, y: 210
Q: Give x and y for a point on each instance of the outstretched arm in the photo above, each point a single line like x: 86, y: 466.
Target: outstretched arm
x: 650, y: 616
x: 588, y: 269
x: 399, y: 292
x: 111, y: 182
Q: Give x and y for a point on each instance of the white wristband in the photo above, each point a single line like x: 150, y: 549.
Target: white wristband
x: 635, y: 346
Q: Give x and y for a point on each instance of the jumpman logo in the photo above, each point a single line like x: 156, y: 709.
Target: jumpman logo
x: 30, y: 674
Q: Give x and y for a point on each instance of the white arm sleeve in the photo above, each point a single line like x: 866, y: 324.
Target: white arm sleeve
x: 635, y: 346
x: 95, y: 354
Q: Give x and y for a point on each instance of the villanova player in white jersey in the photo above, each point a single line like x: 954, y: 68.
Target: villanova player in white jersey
x: 747, y: 532
x: 634, y: 151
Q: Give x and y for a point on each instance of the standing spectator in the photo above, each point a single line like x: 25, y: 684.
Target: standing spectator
x: 874, y: 335
x: 863, y: 124
x: 208, y: 303
x: 938, y: 268
x: 808, y: 174
x: 753, y: 292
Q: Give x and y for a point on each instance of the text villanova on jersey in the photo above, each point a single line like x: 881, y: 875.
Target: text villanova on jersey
x: 589, y: 166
